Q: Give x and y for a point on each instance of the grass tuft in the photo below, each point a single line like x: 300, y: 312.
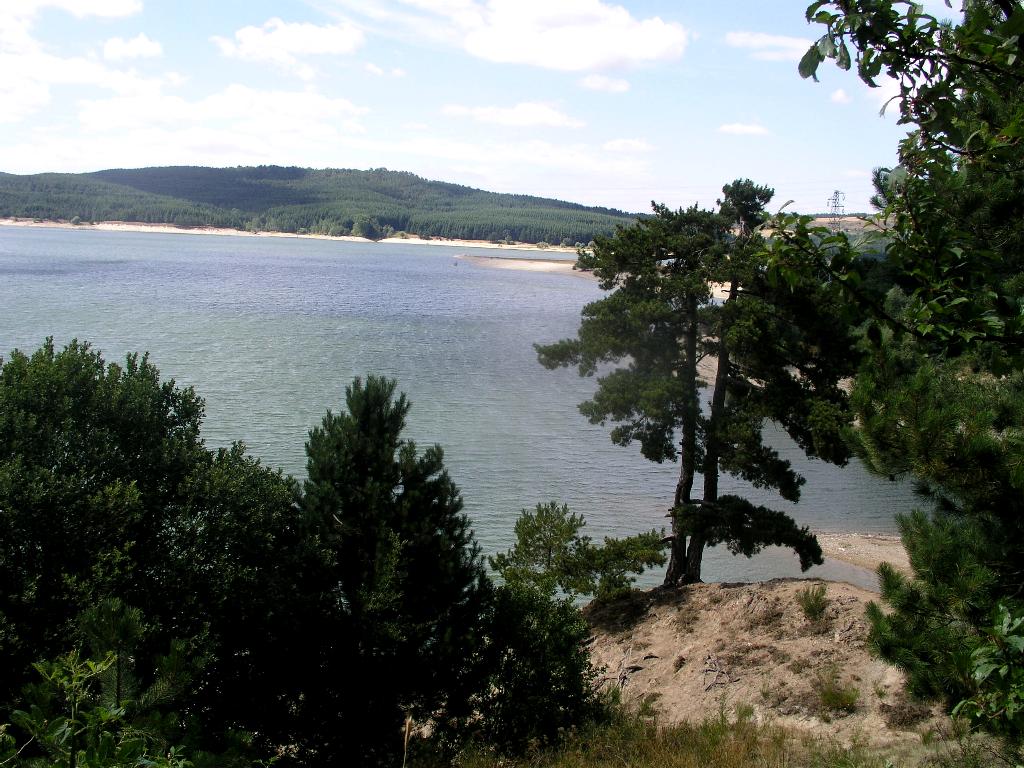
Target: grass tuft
x: 834, y: 696
x: 813, y: 601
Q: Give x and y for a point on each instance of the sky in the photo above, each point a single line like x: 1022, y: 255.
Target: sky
x: 601, y: 103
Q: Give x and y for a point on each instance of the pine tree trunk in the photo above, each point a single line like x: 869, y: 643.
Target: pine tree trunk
x: 712, y: 449
x: 687, y: 446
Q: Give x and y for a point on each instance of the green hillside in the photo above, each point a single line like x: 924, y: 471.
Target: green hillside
x: 371, y: 203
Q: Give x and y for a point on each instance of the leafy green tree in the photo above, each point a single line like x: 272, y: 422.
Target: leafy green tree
x: 955, y: 204
x: 91, y: 460
x: 780, y: 355
x: 551, y: 555
x: 940, y: 397
x: 89, y: 710
x: 998, y: 704
x: 106, y: 491
x: 68, y: 727
x: 405, y: 570
x: 958, y: 433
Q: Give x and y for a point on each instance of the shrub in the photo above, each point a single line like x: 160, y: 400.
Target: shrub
x: 542, y: 681
x: 551, y: 555
x: 833, y: 695
x: 813, y: 602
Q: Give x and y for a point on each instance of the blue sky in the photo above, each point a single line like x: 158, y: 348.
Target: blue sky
x: 602, y: 103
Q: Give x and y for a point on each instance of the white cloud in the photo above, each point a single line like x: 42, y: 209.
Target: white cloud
x: 236, y: 125
x: 21, y: 98
x: 283, y: 43
x: 522, y: 115
x: 373, y: 69
x: 887, y: 95
x: 567, y: 35
x: 508, y: 159
x: 743, y: 129
x: 30, y: 71
x: 627, y: 145
x: 605, y: 83
x: 33, y: 75
x: 139, y: 47
x: 769, y: 47
x: 839, y: 96
x: 571, y: 35
x: 78, y: 8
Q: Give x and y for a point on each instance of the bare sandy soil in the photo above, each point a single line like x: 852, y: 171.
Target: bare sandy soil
x: 865, y: 550
x: 689, y: 653
x: 561, y: 265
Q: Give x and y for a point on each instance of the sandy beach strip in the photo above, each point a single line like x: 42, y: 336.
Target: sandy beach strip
x: 170, y: 229
x: 865, y: 550
x: 562, y: 266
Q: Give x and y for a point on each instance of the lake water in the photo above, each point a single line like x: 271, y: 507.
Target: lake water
x: 270, y: 330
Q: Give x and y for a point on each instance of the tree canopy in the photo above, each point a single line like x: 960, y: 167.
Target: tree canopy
x: 168, y: 594
x: 768, y: 353
x: 938, y: 398
x: 404, y: 568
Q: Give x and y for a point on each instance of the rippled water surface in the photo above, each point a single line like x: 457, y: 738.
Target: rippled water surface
x: 270, y: 330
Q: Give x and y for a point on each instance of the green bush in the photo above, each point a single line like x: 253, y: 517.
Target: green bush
x: 542, y: 682
x: 89, y: 709
x: 998, y: 703
x: 813, y: 601
x: 551, y: 555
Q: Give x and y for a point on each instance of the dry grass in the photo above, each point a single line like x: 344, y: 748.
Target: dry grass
x: 835, y: 696
x: 722, y: 741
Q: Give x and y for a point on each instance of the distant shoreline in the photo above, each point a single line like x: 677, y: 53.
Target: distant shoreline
x: 170, y: 229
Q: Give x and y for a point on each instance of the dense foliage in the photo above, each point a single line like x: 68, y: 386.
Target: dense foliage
x: 163, y: 604
x: 371, y: 204
x: 939, y: 398
x: 779, y: 355
x: 540, y: 680
x: 552, y: 556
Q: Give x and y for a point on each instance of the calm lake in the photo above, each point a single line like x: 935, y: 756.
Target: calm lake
x: 270, y: 330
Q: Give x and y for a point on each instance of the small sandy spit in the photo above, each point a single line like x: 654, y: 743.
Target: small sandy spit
x: 563, y: 266
x: 865, y: 550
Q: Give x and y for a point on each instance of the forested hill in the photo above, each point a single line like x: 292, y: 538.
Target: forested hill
x: 372, y: 203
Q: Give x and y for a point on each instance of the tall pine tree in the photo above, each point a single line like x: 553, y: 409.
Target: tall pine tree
x: 406, y: 573
x: 764, y: 354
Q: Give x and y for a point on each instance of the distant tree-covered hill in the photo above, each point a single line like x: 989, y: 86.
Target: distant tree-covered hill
x: 373, y: 203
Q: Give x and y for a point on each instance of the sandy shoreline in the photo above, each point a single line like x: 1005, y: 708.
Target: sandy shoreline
x: 562, y: 266
x: 865, y: 550
x: 169, y: 229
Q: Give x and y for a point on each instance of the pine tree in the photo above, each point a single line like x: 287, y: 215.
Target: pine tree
x: 778, y: 354
x: 406, y: 573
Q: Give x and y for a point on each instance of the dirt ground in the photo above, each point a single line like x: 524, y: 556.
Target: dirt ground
x: 692, y: 652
